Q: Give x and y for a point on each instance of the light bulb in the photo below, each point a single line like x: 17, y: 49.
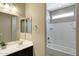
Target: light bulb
x: 7, y: 6
x: 1, y: 5
x: 14, y: 8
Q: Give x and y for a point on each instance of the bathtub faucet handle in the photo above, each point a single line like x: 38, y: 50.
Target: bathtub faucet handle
x: 48, y: 38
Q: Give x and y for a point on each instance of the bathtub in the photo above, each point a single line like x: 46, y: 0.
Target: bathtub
x: 62, y: 39
x: 57, y: 50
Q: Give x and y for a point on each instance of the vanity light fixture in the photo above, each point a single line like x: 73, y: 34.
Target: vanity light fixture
x: 10, y: 7
x: 7, y: 6
x: 1, y: 5
x: 14, y: 8
x: 69, y: 14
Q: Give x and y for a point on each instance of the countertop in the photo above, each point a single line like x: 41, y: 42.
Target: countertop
x: 13, y: 47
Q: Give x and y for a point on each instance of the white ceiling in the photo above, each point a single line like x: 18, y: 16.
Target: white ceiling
x: 54, y: 6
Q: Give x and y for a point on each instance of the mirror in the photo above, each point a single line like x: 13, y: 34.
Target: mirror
x: 8, y: 27
x: 26, y: 25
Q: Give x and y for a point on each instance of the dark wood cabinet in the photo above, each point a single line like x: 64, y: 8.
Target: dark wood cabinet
x: 25, y: 52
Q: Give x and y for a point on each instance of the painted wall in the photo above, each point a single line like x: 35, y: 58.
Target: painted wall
x: 20, y: 8
x: 37, y: 12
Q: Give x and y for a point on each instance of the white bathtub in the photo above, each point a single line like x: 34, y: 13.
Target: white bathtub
x: 60, y: 49
x: 62, y: 37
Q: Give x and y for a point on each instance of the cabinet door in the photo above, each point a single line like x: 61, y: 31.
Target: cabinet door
x: 25, y: 52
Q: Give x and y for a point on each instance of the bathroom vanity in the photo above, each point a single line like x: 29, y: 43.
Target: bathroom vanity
x: 24, y: 52
x: 18, y: 49
x: 9, y: 32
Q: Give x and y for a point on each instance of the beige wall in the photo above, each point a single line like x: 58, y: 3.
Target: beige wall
x: 37, y: 12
